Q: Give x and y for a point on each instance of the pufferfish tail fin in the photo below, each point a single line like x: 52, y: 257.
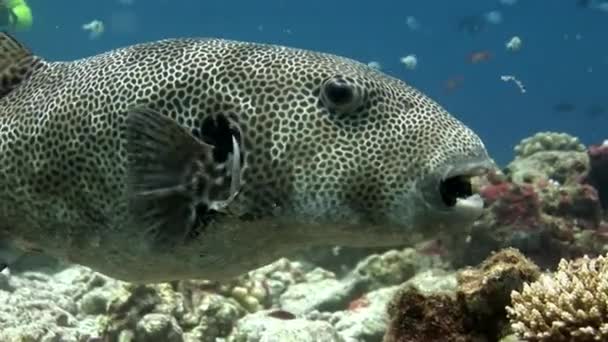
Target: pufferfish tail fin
x: 16, y: 63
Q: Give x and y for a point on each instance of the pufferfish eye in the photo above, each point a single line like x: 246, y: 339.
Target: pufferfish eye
x: 338, y: 93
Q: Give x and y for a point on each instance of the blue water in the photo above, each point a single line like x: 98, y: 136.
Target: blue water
x: 553, y: 64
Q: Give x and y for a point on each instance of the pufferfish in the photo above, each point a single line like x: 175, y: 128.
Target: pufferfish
x: 206, y: 158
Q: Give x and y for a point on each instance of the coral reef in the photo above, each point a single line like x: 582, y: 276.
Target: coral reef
x: 544, y: 204
x: 365, y: 317
x: 435, y: 317
x: 545, y: 221
x: 598, y: 171
x: 77, y: 304
x: 548, y: 141
x: 485, y: 290
x: 512, y: 203
x: 263, y: 327
x: 570, y: 305
x: 339, y: 260
x: 561, y: 167
x: 35, y: 306
x: 475, y: 311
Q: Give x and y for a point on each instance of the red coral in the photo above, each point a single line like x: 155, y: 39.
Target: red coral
x: 492, y: 192
x: 520, y: 205
x: 513, y: 203
x: 598, y: 152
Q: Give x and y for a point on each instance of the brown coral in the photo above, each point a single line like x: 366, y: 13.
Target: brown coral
x: 570, y: 305
x: 485, y: 290
x: 475, y: 313
x: 416, y: 317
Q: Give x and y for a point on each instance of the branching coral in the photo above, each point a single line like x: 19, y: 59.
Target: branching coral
x: 570, y: 305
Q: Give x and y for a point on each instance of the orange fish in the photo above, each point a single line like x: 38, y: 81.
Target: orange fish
x: 479, y: 56
x: 453, y: 83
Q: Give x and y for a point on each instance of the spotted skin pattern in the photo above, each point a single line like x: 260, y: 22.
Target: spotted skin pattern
x: 320, y: 164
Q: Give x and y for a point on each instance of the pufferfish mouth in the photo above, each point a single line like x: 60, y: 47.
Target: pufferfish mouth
x: 456, y: 189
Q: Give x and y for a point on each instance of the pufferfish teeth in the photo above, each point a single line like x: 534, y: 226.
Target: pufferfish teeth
x: 470, y: 206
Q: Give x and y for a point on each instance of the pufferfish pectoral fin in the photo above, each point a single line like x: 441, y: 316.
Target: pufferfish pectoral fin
x: 16, y: 63
x: 171, y: 175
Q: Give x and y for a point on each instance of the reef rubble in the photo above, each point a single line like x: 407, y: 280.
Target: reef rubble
x: 286, y: 298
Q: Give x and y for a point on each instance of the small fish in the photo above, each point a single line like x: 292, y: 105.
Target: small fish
x: 595, y: 111
x: 597, y: 5
x: 410, y: 61
x: 479, y: 57
x: 95, y: 28
x: 602, y: 6
x: 9, y: 254
x: 513, y: 44
x: 206, y: 158
x: 493, y: 17
x: 453, y: 83
x: 564, y: 107
x: 412, y: 23
x: 584, y: 3
x: 282, y: 314
x: 375, y: 65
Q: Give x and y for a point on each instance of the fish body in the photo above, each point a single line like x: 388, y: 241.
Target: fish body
x: 479, y: 56
x: 205, y: 158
